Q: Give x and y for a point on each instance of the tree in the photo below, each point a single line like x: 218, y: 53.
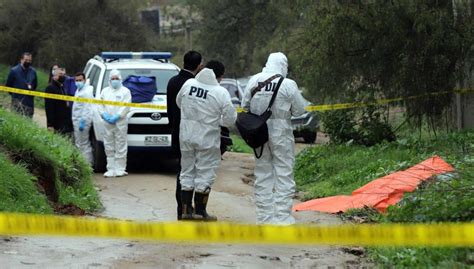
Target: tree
x: 70, y: 34
x: 233, y: 30
x: 363, y: 50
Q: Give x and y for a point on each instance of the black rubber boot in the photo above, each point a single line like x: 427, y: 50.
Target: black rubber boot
x: 186, y: 203
x: 200, y: 202
x: 179, y: 208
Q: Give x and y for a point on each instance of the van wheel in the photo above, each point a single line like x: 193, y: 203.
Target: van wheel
x: 309, y: 137
x: 100, y: 162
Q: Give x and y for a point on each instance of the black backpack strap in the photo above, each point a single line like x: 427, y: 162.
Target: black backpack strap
x: 263, y: 84
x: 275, y: 93
x: 261, y: 152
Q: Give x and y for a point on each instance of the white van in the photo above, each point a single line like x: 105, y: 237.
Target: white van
x: 148, y: 129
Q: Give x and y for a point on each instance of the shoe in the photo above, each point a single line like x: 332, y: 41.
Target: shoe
x: 200, y: 201
x: 109, y: 173
x: 121, y: 173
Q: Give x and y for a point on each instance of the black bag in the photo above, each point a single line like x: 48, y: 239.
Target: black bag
x: 253, y: 128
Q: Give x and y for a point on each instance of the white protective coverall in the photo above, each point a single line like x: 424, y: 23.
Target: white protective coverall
x: 274, y: 185
x: 83, y: 112
x: 205, y: 106
x: 115, y: 137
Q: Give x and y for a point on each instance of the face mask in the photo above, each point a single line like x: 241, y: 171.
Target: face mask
x: 79, y: 84
x: 61, y: 79
x: 26, y: 65
x: 116, y: 84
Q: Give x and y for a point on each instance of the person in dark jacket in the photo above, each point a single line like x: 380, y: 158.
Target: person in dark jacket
x: 192, y: 65
x: 51, y: 70
x: 23, y: 76
x: 58, y: 113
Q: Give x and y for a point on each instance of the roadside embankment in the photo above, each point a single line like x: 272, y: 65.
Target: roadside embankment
x: 49, y: 162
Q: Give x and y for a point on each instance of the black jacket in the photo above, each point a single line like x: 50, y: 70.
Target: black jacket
x: 58, y: 113
x: 20, y: 78
x: 174, y: 113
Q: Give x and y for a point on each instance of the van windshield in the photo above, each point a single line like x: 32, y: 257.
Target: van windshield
x: 162, y: 76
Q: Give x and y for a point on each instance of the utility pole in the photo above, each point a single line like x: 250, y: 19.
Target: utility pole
x: 188, y: 36
x: 464, y: 102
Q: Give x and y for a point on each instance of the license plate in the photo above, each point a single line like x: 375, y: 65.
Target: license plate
x: 154, y: 140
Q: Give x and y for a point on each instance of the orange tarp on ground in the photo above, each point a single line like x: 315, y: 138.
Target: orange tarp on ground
x: 382, y: 192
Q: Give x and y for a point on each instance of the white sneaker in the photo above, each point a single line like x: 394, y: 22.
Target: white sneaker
x: 121, y: 173
x: 109, y: 174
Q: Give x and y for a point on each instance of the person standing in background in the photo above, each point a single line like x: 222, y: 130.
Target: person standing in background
x: 58, y: 112
x: 192, y: 66
x: 82, y: 117
x: 51, y: 71
x: 116, y: 125
x: 274, y: 183
x: 23, y: 76
x: 205, y: 106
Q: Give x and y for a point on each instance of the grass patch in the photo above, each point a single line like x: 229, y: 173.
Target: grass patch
x: 339, y: 169
x: 239, y: 145
x: 42, y: 83
x: 447, y: 199
x: 49, y: 157
x: 19, y: 191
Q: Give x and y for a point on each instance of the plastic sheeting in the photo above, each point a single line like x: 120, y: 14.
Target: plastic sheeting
x: 382, y: 192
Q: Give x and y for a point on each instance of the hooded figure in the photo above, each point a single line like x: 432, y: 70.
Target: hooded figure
x: 274, y: 184
x: 205, y: 106
x: 82, y: 120
x: 116, y: 125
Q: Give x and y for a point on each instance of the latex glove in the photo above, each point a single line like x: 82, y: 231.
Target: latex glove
x: 114, y: 118
x: 82, y: 125
x: 106, y: 116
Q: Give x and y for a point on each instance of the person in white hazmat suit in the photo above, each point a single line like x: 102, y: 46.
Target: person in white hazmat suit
x: 82, y: 117
x: 274, y: 183
x: 205, y: 106
x: 116, y: 125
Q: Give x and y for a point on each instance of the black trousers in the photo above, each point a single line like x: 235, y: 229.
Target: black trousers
x: 178, y: 190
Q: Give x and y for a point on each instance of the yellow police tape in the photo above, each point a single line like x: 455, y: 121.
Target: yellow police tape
x: 380, y: 101
x: 443, y: 234
x: 153, y: 106
x: 78, y: 99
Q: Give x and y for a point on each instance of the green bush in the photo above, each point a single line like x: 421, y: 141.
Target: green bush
x: 372, y: 129
x: 50, y: 156
x: 366, y: 129
x: 340, y: 125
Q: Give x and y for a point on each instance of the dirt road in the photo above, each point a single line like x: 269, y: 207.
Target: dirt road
x: 148, y: 194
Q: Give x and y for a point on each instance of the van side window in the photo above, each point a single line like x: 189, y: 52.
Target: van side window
x: 86, y: 69
x: 94, y: 78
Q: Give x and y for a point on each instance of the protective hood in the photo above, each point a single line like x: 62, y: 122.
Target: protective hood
x: 276, y: 63
x: 207, y: 76
x: 113, y: 73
